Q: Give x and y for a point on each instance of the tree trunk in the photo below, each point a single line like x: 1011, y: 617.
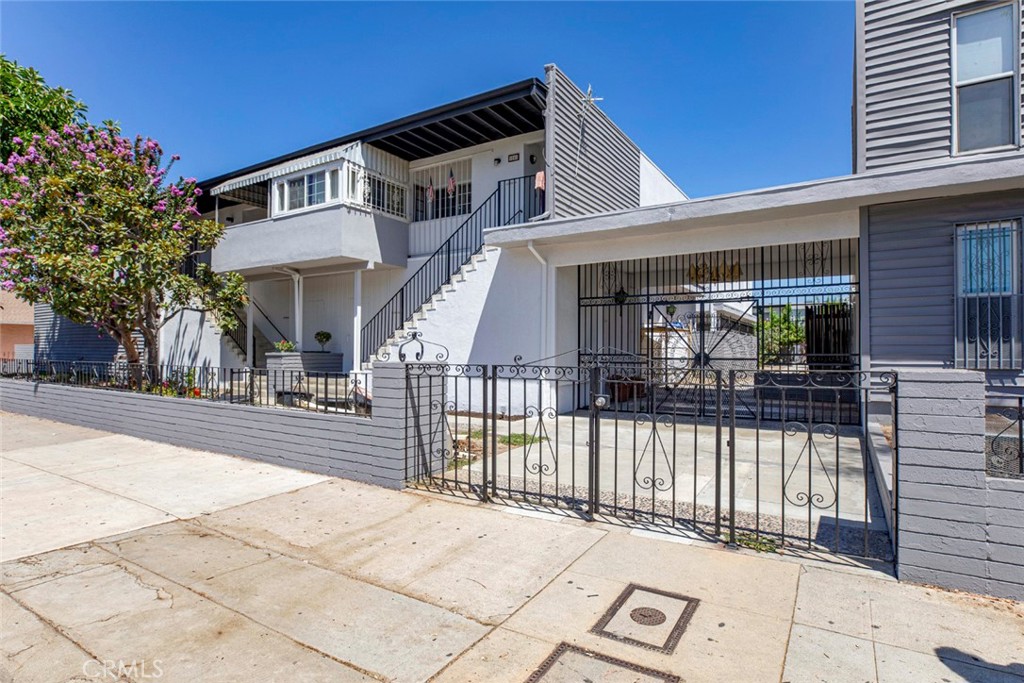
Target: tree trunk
x: 124, y: 337
x: 152, y: 340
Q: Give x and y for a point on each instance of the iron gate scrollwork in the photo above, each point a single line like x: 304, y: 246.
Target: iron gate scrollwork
x: 771, y: 461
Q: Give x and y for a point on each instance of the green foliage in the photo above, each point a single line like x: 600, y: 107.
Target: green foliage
x: 284, y: 346
x: 91, y: 226
x: 514, y: 439
x: 779, y: 333
x: 29, y: 106
x: 761, y: 544
x: 322, y: 337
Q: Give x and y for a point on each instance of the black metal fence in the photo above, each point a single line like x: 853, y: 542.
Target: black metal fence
x: 1004, y: 436
x: 320, y: 392
x: 768, y: 462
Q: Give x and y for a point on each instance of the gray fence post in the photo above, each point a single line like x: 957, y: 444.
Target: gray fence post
x: 957, y: 527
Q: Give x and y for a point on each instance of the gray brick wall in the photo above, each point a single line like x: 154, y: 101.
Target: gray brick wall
x: 365, y: 449
x: 958, y: 527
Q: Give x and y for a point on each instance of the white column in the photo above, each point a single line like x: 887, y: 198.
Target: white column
x: 250, y: 332
x: 357, y: 319
x: 297, y: 289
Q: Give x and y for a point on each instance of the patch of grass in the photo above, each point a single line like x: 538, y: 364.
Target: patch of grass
x: 513, y: 439
x: 761, y: 545
x: 459, y: 462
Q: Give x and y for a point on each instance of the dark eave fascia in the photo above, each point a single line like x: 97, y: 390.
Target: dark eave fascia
x: 532, y: 88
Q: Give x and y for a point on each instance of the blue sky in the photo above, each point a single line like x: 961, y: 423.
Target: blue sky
x: 724, y: 96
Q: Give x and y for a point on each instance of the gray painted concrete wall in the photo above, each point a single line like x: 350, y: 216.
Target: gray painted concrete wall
x: 320, y: 236
x: 958, y: 527
x: 366, y: 449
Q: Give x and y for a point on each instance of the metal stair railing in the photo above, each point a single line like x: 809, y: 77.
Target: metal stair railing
x: 513, y: 197
x: 239, y: 335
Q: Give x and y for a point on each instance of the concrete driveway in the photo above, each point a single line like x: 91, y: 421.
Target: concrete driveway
x: 128, y: 560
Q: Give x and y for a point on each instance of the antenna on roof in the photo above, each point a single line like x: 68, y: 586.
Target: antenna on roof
x: 588, y: 101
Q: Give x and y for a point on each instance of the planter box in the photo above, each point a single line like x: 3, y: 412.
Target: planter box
x: 284, y: 370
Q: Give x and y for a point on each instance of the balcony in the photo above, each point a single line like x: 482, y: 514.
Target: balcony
x: 319, y: 237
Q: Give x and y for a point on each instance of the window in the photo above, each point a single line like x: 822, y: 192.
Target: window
x: 985, y: 78
x: 440, y: 203
x: 443, y: 204
x: 335, y: 189
x: 296, y: 193
x: 353, y: 191
x: 989, y: 295
x: 316, y: 188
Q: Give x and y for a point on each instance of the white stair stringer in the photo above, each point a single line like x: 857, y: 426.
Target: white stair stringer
x: 450, y: 317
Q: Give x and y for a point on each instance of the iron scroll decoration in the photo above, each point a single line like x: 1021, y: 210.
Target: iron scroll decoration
x: 417, y: 347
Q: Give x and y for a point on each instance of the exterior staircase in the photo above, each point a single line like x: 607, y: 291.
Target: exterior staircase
x: 476, y: 272
x: 262, y: 345
x: 514, y: 201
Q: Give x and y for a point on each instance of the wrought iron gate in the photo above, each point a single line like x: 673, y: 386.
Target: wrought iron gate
x: 766, y: 460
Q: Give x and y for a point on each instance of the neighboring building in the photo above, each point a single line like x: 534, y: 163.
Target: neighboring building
x: 16, y: 324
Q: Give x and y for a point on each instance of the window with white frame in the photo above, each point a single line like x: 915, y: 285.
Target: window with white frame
x: 985, y: 88
x: 309, y: 189
x: 989, y: 296
x: 350, y: 183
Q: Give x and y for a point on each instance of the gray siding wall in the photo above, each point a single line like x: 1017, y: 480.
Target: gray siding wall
x: 365, y: 449
x: 607, y: 177
x: 958, y: 527
x: 57, y: 338
x: 905, y: 81
x: 910, y: 276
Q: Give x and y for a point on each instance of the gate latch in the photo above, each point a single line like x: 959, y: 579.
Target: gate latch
x: 600, y: 401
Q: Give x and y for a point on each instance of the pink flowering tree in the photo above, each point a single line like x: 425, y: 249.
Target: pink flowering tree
x: 91, y: 225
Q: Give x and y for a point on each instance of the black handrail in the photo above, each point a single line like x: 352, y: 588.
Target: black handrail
x: 512, y: 197
x: 264, y: 313
x: 240, y: 333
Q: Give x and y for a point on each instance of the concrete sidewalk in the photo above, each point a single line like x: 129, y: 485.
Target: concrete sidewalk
x: 132, y: 559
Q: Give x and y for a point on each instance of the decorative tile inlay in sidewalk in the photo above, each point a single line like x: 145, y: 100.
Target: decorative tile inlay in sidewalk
x: 571, y: 664
x: 648, y: 618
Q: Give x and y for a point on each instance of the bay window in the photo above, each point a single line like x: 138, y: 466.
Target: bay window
x: 985, y: 88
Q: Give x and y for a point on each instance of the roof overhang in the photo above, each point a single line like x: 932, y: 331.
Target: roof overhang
x: 511, y: 110
x: 802, y: 200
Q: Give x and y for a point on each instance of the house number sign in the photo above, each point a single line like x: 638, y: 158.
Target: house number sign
x: 703, y: 274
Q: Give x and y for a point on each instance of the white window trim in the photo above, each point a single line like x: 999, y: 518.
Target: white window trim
x: 349, y: 194
x: 954, y: 85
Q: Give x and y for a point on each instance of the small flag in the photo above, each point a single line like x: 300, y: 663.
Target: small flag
x: 451, y: 183
x: 430, y: 190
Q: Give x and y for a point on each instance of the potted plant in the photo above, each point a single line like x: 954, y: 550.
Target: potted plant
x: 285, y: 346
x: 322, y: 337
x: 671, y: 310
